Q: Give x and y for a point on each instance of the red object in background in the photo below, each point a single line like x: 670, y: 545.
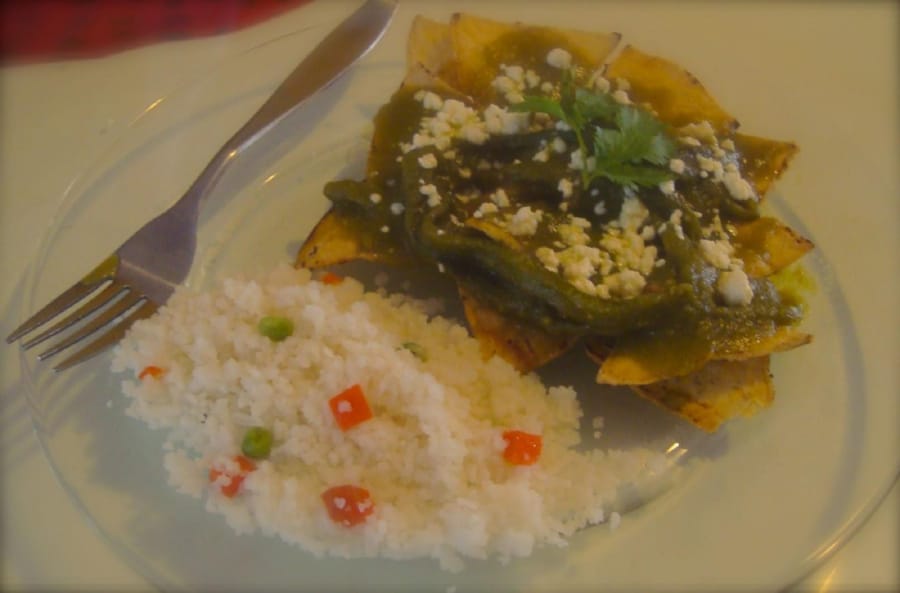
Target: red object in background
x: 43, y: 30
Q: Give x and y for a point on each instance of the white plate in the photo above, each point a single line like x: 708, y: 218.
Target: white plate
x: 763, y: 501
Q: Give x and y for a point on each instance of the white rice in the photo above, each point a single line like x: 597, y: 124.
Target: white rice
x: 431, y: 457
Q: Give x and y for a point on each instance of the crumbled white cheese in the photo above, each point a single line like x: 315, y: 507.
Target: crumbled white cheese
x: 621, y: 97
x: 702, y: 131
x: 485, y: 208
x: 558, y: 145
x: 516, y: 73
x: 601, y: 84
x: 498, y: 120
x: 737, y: 186
x: 548, y: 258
x: 524, y: 222
x: 633, y: 213
x: 559, y: 58
x: 676, y: 166
x: 627, y: 283
x: 500, y: 198
x: 375, y: 198
x: 735, y: 288
x: 712, y: 166
x: 675, y: 221
x: 428, y: 161
x: 543, y: 155
x: 532, y: 79
x: 476, y: 134
x: 717, y: 253
x: 599, y: 207
x: 667, y: 187
x: 434, y: 198
x: 576, y: 161
x: 397, y: 208
x: 579, y: 262
x: 571, y: 234
x: 583, y: 223
x: 565, y: 187
x: 727, y: 144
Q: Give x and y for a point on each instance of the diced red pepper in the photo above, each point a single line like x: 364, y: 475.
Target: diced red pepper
x: 151, y: 371
x: 350, y: 407
x: 331, y: 278
x: 348, y: 505
x: 522, y: 448
x: 236, y: 479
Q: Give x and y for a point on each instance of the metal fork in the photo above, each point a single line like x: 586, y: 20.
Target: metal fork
x: 140, y: 275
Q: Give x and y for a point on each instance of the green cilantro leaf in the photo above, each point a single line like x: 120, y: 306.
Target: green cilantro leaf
x: 595, y: 107
x: 630, y: 146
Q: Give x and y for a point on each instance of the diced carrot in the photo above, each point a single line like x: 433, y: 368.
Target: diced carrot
x: 151, y: 371
x: 350, y: 407
x: 236, y: 479
x: 348, y: 505
x: 522, y: 448
x: 331, y: 278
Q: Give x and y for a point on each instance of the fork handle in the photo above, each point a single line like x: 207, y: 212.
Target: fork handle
x: 339, y: 50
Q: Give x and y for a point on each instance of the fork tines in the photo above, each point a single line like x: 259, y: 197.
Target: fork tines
x: 113, y: 306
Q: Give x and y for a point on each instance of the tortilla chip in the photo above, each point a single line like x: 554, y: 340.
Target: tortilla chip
x: 721, y: 390
x: 781, y: 340
x: 767, y: 245
x: 429, y: 46
x: 337, y: 238
x: 480, y: 47
x: 649, y: 358
x: 525, y: 347
x: 673, y: 92
x: 763, y: 160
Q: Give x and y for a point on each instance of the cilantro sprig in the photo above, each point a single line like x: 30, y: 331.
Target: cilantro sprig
x: 628, y: 145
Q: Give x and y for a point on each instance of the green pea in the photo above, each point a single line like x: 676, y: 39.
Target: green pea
x: 275, y: 328
x: 417, y: 350
x: 257, y: 442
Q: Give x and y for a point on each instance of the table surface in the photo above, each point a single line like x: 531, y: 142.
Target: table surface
x: 66, y: 114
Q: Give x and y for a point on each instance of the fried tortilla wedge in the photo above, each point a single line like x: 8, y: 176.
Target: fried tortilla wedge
x: 480, y: 48
x: 646, y: 359
x: 719, y: 391
x: 673, y: 92
x: 767, y: 246
x: 781, y: 340
x: 430, y: 46
x: 523, y: 346
x: 338, y: 238
x: 763, y: 160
